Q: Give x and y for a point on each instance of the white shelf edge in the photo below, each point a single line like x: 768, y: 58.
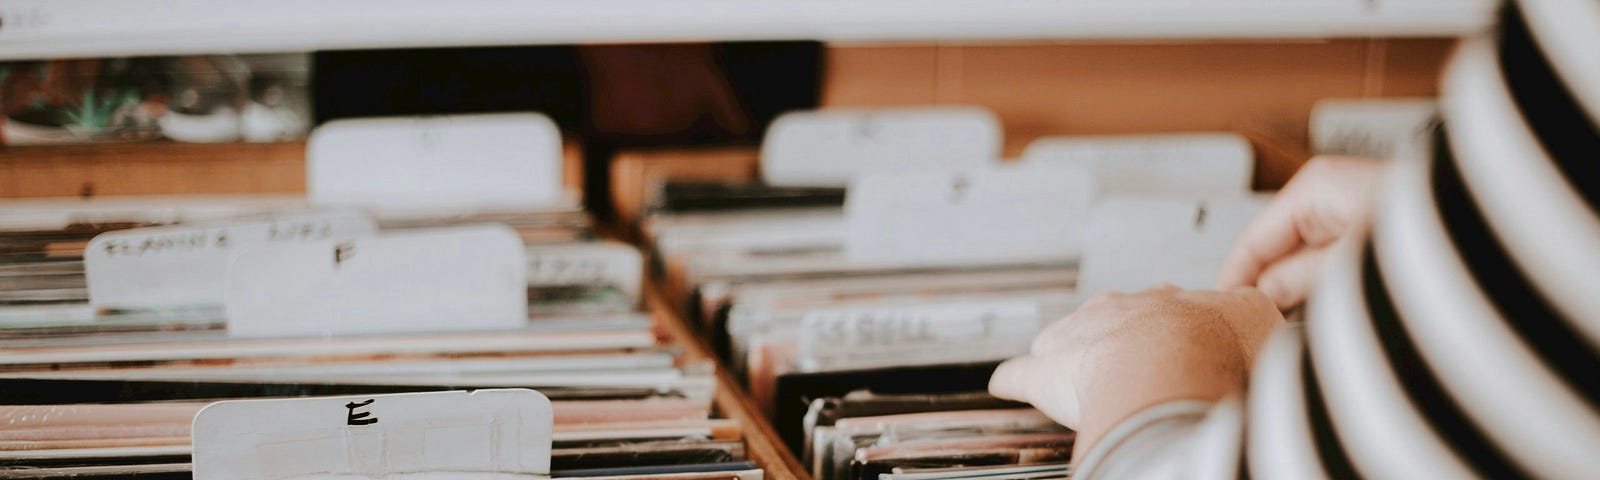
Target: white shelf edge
x: 36, y: 29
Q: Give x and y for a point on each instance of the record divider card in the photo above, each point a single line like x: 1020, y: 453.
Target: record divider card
x: 990, y: 214
x: 187, y: 265
x: 471, y: 278
x: 491, y: 433
x: 826, y: 148
x: 468, y: 161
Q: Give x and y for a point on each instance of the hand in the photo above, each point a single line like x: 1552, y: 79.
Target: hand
x: 1120, y: 353
x: 1282, y: 250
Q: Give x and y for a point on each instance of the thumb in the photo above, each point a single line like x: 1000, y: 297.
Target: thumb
x: 1046, y: 381
x: 1288, y: 282
x: 1010, y: 380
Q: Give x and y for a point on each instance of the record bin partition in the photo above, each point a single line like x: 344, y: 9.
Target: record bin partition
x: 732, y: 401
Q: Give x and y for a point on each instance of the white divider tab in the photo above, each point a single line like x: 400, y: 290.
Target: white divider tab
x: 447, y: 279
x: 829, y: 147
x: 1135, y: 243
x: 187, y: 265
x: 1187, y: 164
x: 1005, y: 213
x: 592, y: 263
x: 486, y: 434
x: 947, y: 332
x: 503, y: 160
x: 1370, y: 128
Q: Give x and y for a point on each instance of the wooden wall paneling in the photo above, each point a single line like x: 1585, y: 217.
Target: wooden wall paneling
x: 1411, y: 67
x: 1041, y: 89
x: 1141, y: 88
x: 880, y: 75
x: 1279, y: 154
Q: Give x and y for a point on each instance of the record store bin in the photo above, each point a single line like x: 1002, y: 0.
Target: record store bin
x: 719, y: 239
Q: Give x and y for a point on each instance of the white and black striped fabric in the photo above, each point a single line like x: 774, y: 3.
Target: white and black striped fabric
x: 1462, y: 338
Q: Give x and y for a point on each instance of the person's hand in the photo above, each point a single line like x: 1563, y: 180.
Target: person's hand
x: 1282, y: 250
x: 1120, y: 353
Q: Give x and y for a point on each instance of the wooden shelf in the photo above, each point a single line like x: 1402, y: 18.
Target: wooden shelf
x: 151, y: 169
x: 172, y: 168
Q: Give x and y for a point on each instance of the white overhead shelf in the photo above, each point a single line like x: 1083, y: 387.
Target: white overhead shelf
x: 31, y: 29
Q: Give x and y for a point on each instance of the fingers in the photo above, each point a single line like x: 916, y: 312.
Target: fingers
x: 1289, y: 281
x: 1316, y: 208
x: 1270, y: 236
x: 1158, y: 343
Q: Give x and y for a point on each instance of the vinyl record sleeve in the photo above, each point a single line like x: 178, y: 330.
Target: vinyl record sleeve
x: 794, y: 392
x: 656, y: 470
x: 164, y: 471
x: 698, y: 196
x: 987, y: 473
x: 647, y: 454
x: 871, y: 470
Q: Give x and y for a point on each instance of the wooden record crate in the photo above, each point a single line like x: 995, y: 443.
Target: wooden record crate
x: 161, y: 168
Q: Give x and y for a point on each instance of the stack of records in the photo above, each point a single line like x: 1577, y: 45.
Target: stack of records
x: 867, y: 435
x: 897, y: 353
x: 1460, y: 339
x: 42, y: 241
x: 90, y: 391
x: 42, y: 285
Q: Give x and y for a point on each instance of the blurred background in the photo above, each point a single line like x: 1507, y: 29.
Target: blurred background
x: 640, y: 74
